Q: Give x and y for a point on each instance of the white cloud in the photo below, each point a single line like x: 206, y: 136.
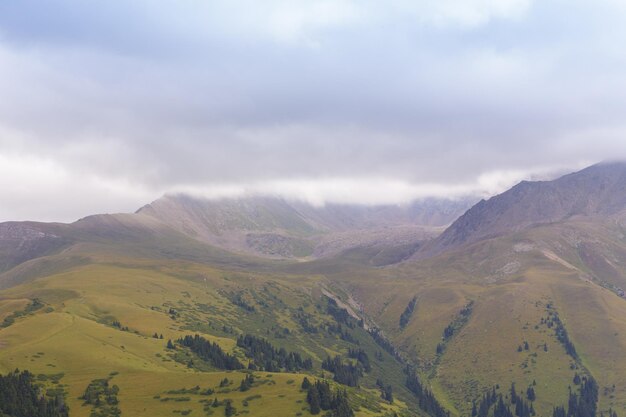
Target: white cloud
x: 297, y: 19
x: 364, y: 190
x: 305, y: 21
x: 464, y: 13
x: 36, y: 188
x: 42, y: 189
x: 395, y: 100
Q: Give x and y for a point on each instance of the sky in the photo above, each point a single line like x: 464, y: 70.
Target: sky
x: 105, y: 106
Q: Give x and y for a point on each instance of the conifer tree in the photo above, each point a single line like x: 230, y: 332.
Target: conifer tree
x: 313, y: 398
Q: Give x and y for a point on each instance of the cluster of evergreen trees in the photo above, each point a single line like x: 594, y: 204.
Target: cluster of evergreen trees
x: 426, y: 399
x: 266, y: 357
x: 563, y: 337
x: 405, y: 317
x: 118, y: 325
x: 237, y: 299
x: 459, y: 321
x: 341, y: 315
x: 19, y: 397
x: 306, y: 322
x: 103, y: 398
x: 320, y: 397
x: 361, y: 356
x: 488, y: 400
x: 384, y: 343
x: 522, y: 407
x: 501, y: 407
x: 210, y: 352
x: 611, y: 413
x: 560, y: 332
x: 343, y: 334
x: 386, y: 391
x: 583, y: 404
x: 229, y: 410
x: 345, y: 373
x: 246, y: 383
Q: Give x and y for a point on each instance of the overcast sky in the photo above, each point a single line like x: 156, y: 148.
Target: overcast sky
x: 105, y: 106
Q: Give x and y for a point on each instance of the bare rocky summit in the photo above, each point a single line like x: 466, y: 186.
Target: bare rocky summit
x: 596, y: 191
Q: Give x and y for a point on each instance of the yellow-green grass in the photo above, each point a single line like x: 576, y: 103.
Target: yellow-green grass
x: 510, y: 280
x: 11, y: 305
x: 73, y: 334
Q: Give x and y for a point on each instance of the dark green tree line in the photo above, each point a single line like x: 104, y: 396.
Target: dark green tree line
x: 210, y: 352
x: 19, y: 397
x: 320, y: 397
x: 345, y: 373
x: 406, y: 315
x: 266, y: 357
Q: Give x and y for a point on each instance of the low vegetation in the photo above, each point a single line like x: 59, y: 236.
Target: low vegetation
x: 102, y: 397
x: 33, y: 306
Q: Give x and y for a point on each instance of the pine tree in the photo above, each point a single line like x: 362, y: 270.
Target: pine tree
x: 313, y: 398
x: 342, y: 407
x: 387, y: 394
x: 513, y: 393
x: 229, y: 410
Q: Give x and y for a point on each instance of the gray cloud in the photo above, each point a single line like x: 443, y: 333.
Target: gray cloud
x: 108, y: 105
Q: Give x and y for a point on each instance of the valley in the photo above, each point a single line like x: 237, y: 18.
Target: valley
x: 407, y: 316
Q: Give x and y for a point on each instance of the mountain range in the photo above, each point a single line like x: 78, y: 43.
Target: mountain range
x: 525, y: 288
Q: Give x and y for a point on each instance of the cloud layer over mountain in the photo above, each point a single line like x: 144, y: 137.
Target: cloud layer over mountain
x: 107, y: 105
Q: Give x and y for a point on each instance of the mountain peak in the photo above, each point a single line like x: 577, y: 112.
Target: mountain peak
x: 598, y: 190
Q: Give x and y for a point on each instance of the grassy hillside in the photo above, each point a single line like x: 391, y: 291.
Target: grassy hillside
x: 97, y: 321
x: 514, y: 284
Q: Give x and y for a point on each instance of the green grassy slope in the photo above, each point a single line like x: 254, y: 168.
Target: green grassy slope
x: 511, y: 281
x: 73, y: 334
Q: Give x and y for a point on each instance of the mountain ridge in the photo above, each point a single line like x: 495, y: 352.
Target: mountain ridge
x: 598, y: 190
x: 265, y: 227
x: 278, y: 228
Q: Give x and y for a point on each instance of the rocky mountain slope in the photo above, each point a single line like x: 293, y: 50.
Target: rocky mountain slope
x: 597, y: 191
x: 260, y: 226
x: 277, y: 228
